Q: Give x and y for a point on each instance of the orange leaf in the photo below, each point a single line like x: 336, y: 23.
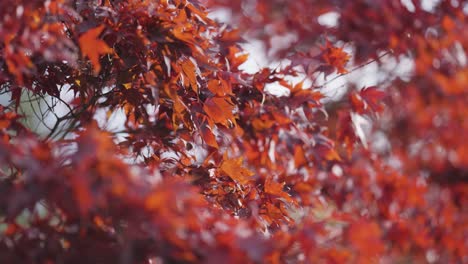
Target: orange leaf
x: 332, y: 155
x: 299, y: 156
x: 233, y: 168
x: 219, y: 87
x: 235, y: 58
x: 4, y: 124
x: 92, y: 47
x: 368, y: 99
x: 208, y: 136
x: 335, y: 57
x: 365, y: 237
x: 448, y: 24
x: 275, y: 188
x: 373, y: 98
x: 189, y: 71
x: 356, y: 102
x: 220, y: 110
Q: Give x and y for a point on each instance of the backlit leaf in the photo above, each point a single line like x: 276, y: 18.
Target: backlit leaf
x: 220, y: 110
x: 234, y: 168
x: 93, y: 47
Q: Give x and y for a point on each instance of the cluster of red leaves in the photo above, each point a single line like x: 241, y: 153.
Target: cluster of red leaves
x: 209, y: 167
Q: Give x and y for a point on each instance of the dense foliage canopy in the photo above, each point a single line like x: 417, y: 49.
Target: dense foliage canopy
x: 209, y: 165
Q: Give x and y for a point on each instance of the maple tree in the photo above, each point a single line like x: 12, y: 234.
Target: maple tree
x: 209, y: 165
